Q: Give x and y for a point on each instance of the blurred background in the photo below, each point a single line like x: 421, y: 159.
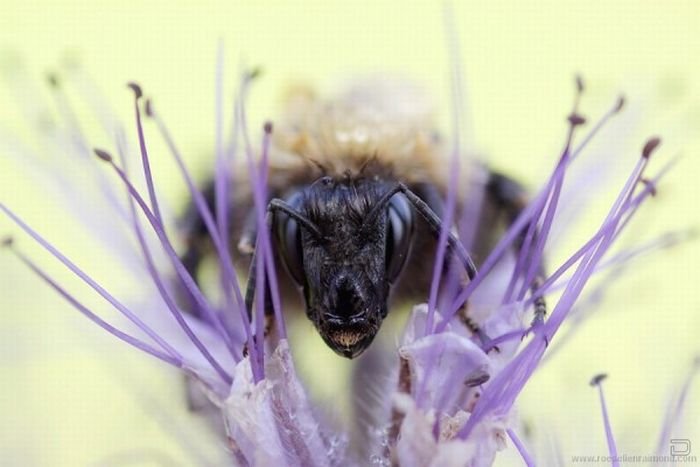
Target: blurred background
x: 72, y: 396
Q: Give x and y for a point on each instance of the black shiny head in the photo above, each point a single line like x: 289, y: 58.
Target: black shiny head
x: 345, y: 246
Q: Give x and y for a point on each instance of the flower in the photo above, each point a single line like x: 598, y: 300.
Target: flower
x: 452, y: 395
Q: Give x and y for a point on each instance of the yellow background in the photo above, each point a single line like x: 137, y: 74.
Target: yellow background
x: 70, y: 396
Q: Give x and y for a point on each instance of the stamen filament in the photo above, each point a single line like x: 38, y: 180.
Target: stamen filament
x: 456, y: 88
x: 222, y: 175
x: 223, y: 254
x: 176, y: 361
x: 597, y: 381
x: 144, y: 153
x: 180, y: 269
x: 94, y: 285
x: 522, y: 220
x: 527, y: 458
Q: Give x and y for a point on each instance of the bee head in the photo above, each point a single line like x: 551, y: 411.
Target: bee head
x: 345, y: 246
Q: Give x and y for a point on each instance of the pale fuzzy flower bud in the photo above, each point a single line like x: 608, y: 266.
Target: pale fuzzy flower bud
x: 271, y: 422
x: 417, y: 446
x: 448, y: 380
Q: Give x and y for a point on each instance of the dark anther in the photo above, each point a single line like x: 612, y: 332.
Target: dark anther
x: 576, y: 119
x: 597, y: 379
x: 650, y: 146
x: 267, y: 127
x: 136, y: 88
x: 620, y: 104
x: 102, y: 154
x: 7, y: 241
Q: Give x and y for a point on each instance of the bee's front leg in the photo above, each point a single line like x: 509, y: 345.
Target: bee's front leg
x: 247, y: 245
x: 433, y: 208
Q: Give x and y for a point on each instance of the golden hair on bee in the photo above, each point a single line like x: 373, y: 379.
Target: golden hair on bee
x: 379, y: 122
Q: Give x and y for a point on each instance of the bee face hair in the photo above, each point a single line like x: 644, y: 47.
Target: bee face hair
x: 344, y: 249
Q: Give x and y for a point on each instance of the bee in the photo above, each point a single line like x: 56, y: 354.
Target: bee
x: 357, y: 185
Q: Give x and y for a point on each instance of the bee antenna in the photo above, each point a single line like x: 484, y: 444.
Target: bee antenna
x: 279, y: 205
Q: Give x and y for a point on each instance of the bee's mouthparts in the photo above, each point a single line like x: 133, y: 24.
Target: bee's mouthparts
x: 347, y: 338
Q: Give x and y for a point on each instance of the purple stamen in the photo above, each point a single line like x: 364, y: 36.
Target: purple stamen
x: 503, y: 390
x: 439, y: 262
x: 79, y: 140
x: 166, y: 295
x: 224, y: 257
x: 176, y: 361
x: 467, y: 229
x: 597, y: 382
x: 488, y: 265
x: 527, y: 458
x: 259, y: 201
x: 179, y: 267
x: 260, y: 308
x: 268, y: 256
x: 584, y: 310
x: 138, y: 93
x: 456, y: 89
x: 259, y: 179
x: 531, y: 255
x: 664, y: 241
x: 221, y: 176
x: 609, y: 230
x: 522, y: 220
x: 628, y: 212
x: 94, y: 285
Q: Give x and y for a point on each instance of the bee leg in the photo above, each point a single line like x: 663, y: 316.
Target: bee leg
x: 251, y: 285
x: 426, y: 211
x: 428, y: 202
x: 475, y: 329
x: 511, y: 198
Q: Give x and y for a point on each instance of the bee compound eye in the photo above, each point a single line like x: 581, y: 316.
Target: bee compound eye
x: 289, y: 237
x: 398, y: 235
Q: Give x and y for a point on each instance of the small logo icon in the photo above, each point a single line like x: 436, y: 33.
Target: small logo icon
x: 680, y: 447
